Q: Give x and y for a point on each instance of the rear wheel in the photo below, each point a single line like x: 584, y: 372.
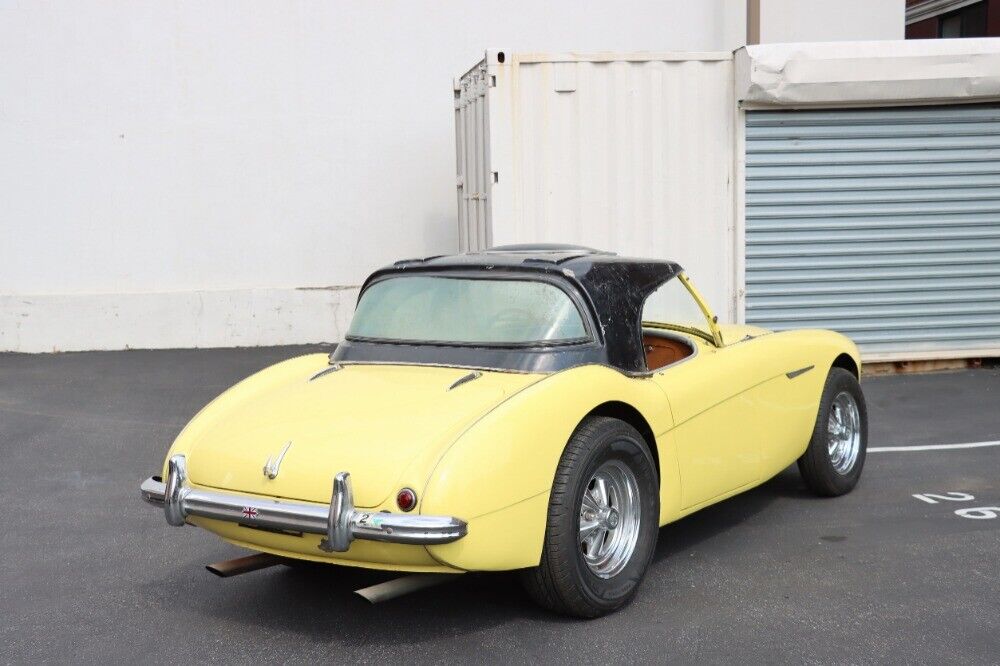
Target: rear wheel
x: 602, y: 524
x: 833, y: 461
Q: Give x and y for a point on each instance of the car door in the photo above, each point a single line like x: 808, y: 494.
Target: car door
x: 717, y: 433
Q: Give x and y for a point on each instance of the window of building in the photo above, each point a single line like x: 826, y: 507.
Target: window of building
x: 950, y: 19
x: 969, y: 21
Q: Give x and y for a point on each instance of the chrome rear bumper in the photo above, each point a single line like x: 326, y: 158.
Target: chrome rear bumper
x: 340, y: 522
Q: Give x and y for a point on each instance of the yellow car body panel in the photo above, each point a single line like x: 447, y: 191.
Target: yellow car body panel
x: 510, y: 538
x: 724, y: 421
x: 510, y: 456
x: 373, y: 420
x: 739, y: 418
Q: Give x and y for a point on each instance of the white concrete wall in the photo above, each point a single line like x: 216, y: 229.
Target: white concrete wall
x: 223, y: 173
x: 831, y: 20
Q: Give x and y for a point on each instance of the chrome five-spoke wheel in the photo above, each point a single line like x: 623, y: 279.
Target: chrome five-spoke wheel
x: 843, y: 432
x: 610, y: 515
x: 601, y: 528
x: 832, y: 462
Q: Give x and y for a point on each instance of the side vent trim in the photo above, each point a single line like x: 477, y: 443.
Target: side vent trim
x: 801, y: 371
x: 326, y: 371
x: 465, y: 379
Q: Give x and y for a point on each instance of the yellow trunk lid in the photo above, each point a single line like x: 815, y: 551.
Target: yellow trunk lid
x: 369, y: 420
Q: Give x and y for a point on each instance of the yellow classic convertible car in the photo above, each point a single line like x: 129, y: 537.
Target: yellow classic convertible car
x: 541, y: 408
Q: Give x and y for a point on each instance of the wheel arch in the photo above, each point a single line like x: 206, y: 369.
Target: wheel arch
x: 623, y: 411
x: 847, y: 362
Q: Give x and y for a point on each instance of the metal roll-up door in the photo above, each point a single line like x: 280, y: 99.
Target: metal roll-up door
x: 883, y: 224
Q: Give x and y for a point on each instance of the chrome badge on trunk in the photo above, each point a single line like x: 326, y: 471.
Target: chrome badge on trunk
x: 273, y: 463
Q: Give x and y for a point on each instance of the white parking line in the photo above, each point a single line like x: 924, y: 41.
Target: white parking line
x: 932, y: 447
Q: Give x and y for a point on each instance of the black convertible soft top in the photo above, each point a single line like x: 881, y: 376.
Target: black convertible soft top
x: 610, y: 289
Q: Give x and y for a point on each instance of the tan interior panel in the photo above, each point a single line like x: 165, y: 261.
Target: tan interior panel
x: 662, y: 351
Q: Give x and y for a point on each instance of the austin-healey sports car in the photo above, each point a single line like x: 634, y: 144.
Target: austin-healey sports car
x: 544, y: 408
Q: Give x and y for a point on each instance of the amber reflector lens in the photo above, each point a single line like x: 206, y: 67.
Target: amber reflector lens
x: 406, y: 499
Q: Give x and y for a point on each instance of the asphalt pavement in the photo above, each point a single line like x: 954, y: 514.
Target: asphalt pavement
x: 88, y: 573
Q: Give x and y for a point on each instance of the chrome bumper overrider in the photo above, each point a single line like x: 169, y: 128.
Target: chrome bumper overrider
x: 340, y: 522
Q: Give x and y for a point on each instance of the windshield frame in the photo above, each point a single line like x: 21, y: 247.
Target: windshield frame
x: 710, y: 334
x: 574, y: 296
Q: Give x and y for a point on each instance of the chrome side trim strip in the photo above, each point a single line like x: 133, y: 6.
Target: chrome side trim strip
x: 340, y: 522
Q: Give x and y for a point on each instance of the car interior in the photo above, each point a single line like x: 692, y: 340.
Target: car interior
x: 663, y: 348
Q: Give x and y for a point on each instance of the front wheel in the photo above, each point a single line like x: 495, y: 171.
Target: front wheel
x: 602, y: 524
x: 832, y: 463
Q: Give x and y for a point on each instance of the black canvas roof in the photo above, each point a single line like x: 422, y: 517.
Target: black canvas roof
x: 613, y: 288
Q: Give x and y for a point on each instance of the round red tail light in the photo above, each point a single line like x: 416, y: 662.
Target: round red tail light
x: 406, y: 499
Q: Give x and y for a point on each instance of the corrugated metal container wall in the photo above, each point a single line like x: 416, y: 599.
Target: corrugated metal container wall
x: 473, y: 159
x: 883, y: 224
x: 632, y: 153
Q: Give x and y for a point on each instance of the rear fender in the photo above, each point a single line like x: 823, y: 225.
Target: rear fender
x: 499, y: 473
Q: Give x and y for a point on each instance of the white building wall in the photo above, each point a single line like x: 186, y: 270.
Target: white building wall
x: 831, y: 20
x: 226, y: 173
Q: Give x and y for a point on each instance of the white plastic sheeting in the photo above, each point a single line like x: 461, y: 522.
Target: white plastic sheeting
x: 869, y: 73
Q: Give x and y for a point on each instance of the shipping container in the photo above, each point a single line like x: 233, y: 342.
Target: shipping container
x: 626, y: 152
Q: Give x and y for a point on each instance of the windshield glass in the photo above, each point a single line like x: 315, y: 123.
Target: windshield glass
x: 673, y: 305
x: 467, y: 311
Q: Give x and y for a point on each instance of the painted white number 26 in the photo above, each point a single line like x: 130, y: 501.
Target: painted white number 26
x: 975, y: 513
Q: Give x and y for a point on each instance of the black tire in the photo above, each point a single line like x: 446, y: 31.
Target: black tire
x: 816, y: 465
x: 563, y: 582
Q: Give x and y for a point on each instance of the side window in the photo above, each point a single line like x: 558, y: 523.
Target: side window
x: 673, y: 305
